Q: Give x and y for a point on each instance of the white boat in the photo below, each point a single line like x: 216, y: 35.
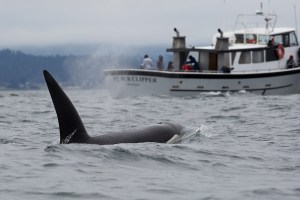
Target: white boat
x: 252, y: 59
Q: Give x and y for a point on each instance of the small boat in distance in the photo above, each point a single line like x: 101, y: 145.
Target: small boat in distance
x: 259, y: 58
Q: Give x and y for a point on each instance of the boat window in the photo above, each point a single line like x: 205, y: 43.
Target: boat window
x: 251, y: 39
x: 239, y: 38
x: 286, y: 40
x: 263, y: 39
x: 293, y: 39
x: 258, y: 56
x: 270, y: 54
x: 278, y: 39
x: 245, y: 57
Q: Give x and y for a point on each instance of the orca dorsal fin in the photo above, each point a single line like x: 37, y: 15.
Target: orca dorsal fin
x: 71, y: 127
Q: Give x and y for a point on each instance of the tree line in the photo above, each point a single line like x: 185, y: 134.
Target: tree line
x: 24, y: 71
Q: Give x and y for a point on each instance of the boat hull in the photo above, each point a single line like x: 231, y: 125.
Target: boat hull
x: 136, y: 82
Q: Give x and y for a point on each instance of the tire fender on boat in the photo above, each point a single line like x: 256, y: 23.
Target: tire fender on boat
x: 280, y: 51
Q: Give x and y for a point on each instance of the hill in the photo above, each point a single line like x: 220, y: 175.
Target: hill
x: 19, y: 70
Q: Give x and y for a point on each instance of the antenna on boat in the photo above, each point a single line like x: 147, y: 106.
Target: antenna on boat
x: 296, y: 22
x: 260, y: 11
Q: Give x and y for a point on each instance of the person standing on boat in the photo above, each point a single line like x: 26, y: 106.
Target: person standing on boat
x: 170, y: 66
x: 160, y: 63
x: 291, y: 62
x: 194, y: 62
x: 147, y: 63
x: 271, y: 42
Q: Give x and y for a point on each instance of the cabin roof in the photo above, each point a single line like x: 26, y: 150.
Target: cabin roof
x: 277, y: 30
x: 234, y: 47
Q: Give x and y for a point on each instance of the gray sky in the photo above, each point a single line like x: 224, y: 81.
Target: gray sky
x: 138, y: 22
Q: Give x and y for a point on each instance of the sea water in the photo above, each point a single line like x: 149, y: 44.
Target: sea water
x: 237, y: 146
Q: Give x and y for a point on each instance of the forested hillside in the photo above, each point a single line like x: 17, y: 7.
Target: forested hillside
x: 24, y: 71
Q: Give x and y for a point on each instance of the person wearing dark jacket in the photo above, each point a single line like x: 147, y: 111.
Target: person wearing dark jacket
x: 290, y: 62
x: 194, y: 62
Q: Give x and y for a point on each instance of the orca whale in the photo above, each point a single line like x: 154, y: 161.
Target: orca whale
x: 72, y: 129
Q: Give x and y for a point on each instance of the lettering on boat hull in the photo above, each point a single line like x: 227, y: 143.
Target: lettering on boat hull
x: 135, y: 80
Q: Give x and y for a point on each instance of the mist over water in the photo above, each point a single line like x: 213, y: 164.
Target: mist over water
x: 237, y: 146
x: 87, y: 71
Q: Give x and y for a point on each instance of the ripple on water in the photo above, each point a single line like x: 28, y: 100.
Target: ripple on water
x: 14, y: 95
x: 6, y: 141
x: 50, y: 165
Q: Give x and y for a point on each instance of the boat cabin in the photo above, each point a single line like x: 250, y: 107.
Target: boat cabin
x: 249, y: 49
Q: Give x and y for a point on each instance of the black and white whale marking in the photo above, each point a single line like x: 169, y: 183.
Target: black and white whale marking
x: 72, y: 129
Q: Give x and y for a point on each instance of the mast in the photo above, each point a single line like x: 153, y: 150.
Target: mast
x: 296, y: 22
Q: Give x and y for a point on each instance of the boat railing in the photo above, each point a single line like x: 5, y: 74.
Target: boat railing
x: 211, y: 71
x: 265, y: 70
x: 232, y: 72
x: 269, y: 21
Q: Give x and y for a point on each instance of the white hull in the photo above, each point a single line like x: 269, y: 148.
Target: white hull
x: 137, y: 82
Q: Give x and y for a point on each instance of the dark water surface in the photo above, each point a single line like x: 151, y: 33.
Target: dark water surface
x: 238, y: 146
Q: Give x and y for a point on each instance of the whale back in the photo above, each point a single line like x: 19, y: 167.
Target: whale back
x: 159, y: 133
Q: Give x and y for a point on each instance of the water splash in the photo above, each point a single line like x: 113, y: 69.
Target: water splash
x: 68, y: 138
x: 194, y: 134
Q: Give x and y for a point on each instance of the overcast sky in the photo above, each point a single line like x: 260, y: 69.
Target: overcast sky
x: 138, y: 22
